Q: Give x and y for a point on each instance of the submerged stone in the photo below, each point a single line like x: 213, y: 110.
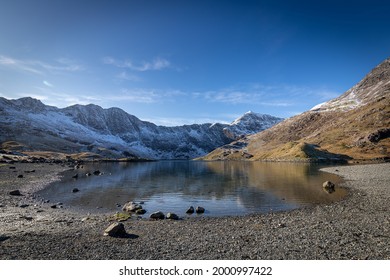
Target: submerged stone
x: 190, y: 210
x: 200, y: 210
x: 328, y: 187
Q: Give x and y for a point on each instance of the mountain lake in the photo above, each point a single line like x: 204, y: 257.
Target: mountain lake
x: 223, y: 188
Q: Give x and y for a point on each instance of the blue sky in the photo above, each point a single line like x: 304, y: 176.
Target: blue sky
x: 182, y: 62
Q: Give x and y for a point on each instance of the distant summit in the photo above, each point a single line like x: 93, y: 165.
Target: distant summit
x: 32, y: 126
x: 355, y: 125
x: 248, y: 123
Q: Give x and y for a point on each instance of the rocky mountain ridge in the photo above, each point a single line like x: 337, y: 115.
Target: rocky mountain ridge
x: 113, y: 133
x: 353, y: 126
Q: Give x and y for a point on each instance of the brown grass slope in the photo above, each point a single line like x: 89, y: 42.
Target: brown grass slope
x: 355, y: 125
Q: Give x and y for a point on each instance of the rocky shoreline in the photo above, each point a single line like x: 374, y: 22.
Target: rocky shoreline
x: 355, y: 228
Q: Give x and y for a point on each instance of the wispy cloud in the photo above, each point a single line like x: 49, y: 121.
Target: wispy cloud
x: 156, y: 64
x: 19, y: 64
x: 124, y: 76
x: 146, y: 95
x: 257, y: 94
x: 46, y: 83
x: 40, y: 67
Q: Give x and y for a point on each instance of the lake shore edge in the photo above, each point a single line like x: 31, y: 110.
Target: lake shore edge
x: 355, y: 228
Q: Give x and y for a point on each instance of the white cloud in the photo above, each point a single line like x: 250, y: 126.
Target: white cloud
x: 128, y: 77
x: 40, y: 67
x: 156, y: 64
x: 46, y: 83
x: 19, y: 64
x: 166, y: 121
x: 257, y: 94
x: 146, y: 95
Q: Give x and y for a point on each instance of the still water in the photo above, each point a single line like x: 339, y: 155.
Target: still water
x: 222, y: 188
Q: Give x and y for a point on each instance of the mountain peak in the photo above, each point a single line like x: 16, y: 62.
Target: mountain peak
x: 30, y: 104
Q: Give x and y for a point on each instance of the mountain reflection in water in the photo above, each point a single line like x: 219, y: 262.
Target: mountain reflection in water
x: 223, y: 188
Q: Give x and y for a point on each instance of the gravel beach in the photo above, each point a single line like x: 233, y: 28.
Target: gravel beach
x: 356, y: 228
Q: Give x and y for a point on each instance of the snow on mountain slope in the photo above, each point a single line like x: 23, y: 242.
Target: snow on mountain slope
x: 373, y: 86
x: 115, y: 133
x: 250, y: 123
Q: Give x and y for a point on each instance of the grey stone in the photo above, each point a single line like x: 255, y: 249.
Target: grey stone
x: 131, y: 207
x: 115, y: 230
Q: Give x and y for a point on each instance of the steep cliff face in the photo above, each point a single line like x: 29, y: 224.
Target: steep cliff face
x: 355, y: 125
x: 113, y: 132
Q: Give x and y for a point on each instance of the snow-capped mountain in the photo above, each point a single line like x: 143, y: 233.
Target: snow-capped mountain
x: 114, y: 133
x: 353, y: 126
x: 249, y: 123
x: 371, y: 87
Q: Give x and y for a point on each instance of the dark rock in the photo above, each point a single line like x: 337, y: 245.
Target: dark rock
x: 378, y: 135
x: 20, y: 176
x: 12, y: 167
x: 328, y: 187
x: 172, y: 216
x: 76, y: 176
x: 190, y: 210
x: 88, y: 174
x: 15, y: 192
x: 140, y: 211
x: 115, y: 230
x: 75, y: 190
x: 3, y: 238
x: 157, y: 215
x: 97, y: 172
x: 54, y: 206
x: 23, y: 205
x: 200, y: 210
